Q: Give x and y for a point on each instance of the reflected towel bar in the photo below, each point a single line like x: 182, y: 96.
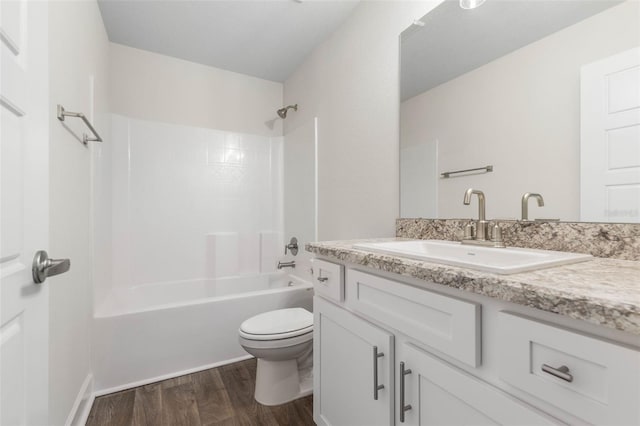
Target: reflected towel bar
x: 62, y: 114
x: 487, y: 169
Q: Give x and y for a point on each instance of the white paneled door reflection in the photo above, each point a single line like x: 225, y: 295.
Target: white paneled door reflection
x: 610, y: 139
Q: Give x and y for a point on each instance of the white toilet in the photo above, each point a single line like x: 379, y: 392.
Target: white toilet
x: 282, y: 341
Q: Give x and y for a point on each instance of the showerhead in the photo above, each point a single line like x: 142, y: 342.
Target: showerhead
x: 282, y: 112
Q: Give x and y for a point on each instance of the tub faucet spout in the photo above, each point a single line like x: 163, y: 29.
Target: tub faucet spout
x: 291, y: 264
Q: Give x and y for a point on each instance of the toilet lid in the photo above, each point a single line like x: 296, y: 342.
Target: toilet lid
x: 293, y: 322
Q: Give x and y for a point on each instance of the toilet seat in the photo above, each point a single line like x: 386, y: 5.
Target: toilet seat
x: 282, y: 342
x: 277, y: 325
x: 250, y: 342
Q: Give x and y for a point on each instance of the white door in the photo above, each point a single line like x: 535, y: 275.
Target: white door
x: 610, y: 139
x: 438, y: 394
x: 24, y: 211
x: 345, y: 369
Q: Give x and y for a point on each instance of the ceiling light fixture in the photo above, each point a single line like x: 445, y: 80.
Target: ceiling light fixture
x: 471, y: 4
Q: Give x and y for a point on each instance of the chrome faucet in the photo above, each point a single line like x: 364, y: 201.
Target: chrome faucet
x: 481, y: 224
x: 478, y: 233
x: 525, y: 203
x: 291, y: 264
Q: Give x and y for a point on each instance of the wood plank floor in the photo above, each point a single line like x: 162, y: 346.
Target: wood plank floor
x: 221, y: 396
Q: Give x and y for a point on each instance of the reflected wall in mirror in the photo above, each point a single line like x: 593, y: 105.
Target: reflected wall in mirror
x: 500, y: 85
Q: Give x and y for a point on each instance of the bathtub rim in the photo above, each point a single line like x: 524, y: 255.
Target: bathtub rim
x: 300, y: 284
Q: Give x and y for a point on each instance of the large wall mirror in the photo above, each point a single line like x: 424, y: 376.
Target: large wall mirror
x: 545, y: 92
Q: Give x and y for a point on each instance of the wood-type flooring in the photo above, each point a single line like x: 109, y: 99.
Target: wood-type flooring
x: 220, y: 396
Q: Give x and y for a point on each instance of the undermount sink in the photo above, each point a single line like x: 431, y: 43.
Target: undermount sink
x: 496, y: 260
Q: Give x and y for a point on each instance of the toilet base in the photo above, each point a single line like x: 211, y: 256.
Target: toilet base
x: 279, y: 382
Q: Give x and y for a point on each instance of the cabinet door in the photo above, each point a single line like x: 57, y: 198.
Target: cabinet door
x: 345, y: 369
x: 441, y: 394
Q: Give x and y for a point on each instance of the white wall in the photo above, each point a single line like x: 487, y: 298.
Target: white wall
x: 299, y: 186
x: 78, y: 55
x: 160, y: 88
x: 520, y: 113
x: 350, y: 83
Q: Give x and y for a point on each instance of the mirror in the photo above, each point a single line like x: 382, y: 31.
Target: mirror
x: 545, y: 92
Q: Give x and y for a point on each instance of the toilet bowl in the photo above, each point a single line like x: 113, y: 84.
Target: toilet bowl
x: 282, y: 341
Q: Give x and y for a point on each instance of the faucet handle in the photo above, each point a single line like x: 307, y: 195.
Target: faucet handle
x: 292, y: 246
x: 496, y: 236
x: 469, y: 231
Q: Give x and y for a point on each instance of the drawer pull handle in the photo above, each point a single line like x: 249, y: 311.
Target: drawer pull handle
x: 376, y: 386
x: 323, y: 279
x: 403, y: 408
x: 560, y: 372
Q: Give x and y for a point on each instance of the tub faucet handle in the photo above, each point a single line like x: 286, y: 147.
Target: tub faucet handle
x: 292, y: 246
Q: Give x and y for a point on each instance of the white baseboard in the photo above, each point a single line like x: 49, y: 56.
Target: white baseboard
x: 82, y: 405
x: 83, y: 415
x: 107, y: 391
x: 81, y: 409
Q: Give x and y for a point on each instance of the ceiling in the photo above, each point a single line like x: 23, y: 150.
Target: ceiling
x: 454, y: 41
x: 267, y: 39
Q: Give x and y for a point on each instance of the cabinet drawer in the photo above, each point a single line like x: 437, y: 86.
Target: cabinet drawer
x: 592, y: 379
x: 449, y: 325
x: 328, y: 279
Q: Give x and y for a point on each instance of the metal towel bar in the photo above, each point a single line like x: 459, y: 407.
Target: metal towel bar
x: 487, y: 169
x: 62, y: 114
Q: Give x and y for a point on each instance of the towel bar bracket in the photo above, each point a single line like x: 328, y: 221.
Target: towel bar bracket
x: 62, y: 113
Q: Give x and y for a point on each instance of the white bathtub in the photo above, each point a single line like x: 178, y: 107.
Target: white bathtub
x: 155, y: 331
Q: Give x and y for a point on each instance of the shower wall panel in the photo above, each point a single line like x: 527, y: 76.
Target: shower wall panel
x: 189, y: 203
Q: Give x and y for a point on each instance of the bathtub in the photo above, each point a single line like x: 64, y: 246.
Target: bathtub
x: 151, y: 332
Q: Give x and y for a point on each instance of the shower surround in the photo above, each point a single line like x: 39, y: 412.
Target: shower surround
x: 188, y: 227
x: 181, y: 203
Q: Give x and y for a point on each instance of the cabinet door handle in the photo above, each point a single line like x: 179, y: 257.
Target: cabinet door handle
x: 376, y: 386
x: 322, y: 279
x: 403, y: 408
x: 561, y: 372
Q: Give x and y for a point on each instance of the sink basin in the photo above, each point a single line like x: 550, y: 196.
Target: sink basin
x: 489, y: 259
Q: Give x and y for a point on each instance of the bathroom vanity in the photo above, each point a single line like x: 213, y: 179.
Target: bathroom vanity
x: 404, y: 341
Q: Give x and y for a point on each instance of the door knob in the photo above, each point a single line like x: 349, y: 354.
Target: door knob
x: 44, y: 267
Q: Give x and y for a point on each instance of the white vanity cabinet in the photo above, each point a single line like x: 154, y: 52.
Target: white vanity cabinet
x: 425, y: 351
x: 437, y: 393
x: 353, y: 369
x: 593, y: 379
x: 447, y: 324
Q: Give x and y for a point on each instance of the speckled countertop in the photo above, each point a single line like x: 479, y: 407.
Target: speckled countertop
x: 600, y: 291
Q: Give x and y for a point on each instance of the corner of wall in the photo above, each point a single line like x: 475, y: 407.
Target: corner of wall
x: 78, y: 52
x: 351, y: 83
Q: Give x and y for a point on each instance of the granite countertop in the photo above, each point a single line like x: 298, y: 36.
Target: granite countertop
x: 600, y: 291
